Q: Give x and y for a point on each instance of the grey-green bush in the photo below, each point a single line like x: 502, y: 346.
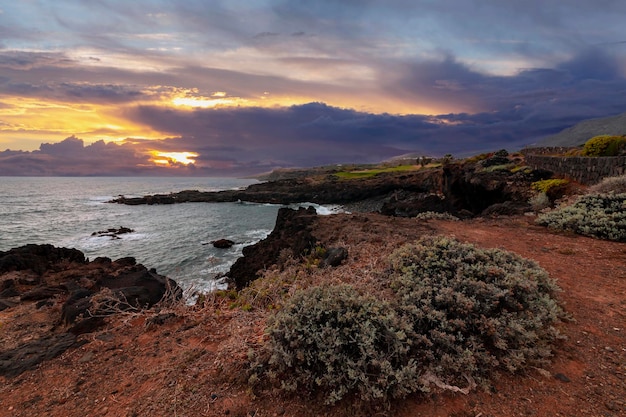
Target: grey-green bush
x: 597, y: 215
x: 460, y: 314
x: 615, y: 185
x: 333, y: 340
x: 479, y: 310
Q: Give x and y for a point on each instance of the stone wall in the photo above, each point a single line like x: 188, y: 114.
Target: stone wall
x: 585, y: 170
x: 548, y: 150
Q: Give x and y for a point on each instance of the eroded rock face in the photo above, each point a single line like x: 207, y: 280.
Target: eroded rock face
x: 68, y: 296
x: 292, y: 232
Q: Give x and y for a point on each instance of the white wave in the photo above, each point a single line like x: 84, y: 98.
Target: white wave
x: 322, y: 210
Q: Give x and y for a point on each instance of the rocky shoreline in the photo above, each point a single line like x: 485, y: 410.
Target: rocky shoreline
x: 81, y: 293
x: 118, y: 358
x: 108, y: 337
x: 60, y: 295
x: 465, y: 189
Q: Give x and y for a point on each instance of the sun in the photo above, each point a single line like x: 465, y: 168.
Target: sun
x: 170, y: 158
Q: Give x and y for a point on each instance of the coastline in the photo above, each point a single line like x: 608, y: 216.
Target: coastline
x: 183, y: 359
x: 192, y: 358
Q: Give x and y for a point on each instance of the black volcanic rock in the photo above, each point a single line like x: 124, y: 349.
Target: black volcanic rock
x: 292, y: 232
x: 37, y: 258
x: 334, y: 257
x: 222, y: 243
x: 79, y: 293
x: 113, y: 233
x: 28, y: 355
x: 408, y: 204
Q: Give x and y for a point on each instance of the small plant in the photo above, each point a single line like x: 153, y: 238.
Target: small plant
x: 539, y: 201
x: 597, y: 215
x: 315, y: 256
x: 553, y: 189
x: 433, y: 215
x: 604, y: 145
x: 524, y: 169
x: 500, y: 167
x: 545, y: 186
x: 331, y: 339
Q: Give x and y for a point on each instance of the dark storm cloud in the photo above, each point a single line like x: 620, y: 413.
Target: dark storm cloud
x: 517, y: 110
x: 590, y: 84
x: 507, y: 73
x: 316, y: 134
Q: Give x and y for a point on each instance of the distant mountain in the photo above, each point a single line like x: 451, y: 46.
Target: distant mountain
x: 583, y: 131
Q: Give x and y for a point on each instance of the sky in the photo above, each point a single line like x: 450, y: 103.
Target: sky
x: 232, y: 87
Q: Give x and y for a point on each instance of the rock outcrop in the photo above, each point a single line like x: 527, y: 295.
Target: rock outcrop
x: 291, y: 233
x: 70, y: 296
x: 112, y: 232
x: 222, y: 243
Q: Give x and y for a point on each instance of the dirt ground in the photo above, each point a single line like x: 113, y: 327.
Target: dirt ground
x: 189, y: 360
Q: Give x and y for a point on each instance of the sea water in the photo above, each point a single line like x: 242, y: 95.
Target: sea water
x: 174, y: 239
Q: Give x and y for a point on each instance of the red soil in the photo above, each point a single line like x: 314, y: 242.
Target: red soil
x: 193, y: 363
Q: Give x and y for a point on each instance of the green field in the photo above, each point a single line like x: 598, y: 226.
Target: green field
x: 366, y: 173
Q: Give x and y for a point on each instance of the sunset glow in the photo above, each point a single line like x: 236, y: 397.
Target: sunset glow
x: 245, y: 87
x: 169, y: 158
x: 207, y: 102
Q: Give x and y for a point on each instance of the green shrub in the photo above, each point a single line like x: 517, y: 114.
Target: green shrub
x: 554, y: 188
x: 545, y: 186
x: 478, y: 310
x: 598, y: 215
x: 433, y: 215
x: 524, y: 169
x: 604, y: 145
x: 332, y: 340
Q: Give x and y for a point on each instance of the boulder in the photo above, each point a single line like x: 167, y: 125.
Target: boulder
x: 410, y: 204
x: 4, y: 304
x: 222, y: 243
x: 334, y: 257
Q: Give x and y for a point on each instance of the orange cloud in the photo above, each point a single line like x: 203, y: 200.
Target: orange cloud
x: 173, y: 158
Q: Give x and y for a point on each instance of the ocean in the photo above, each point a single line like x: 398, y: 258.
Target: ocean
x: 174, y: 239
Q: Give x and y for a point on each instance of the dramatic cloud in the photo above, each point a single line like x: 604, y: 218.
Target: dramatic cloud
x: 248, y: 86
x: 70, y: 158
